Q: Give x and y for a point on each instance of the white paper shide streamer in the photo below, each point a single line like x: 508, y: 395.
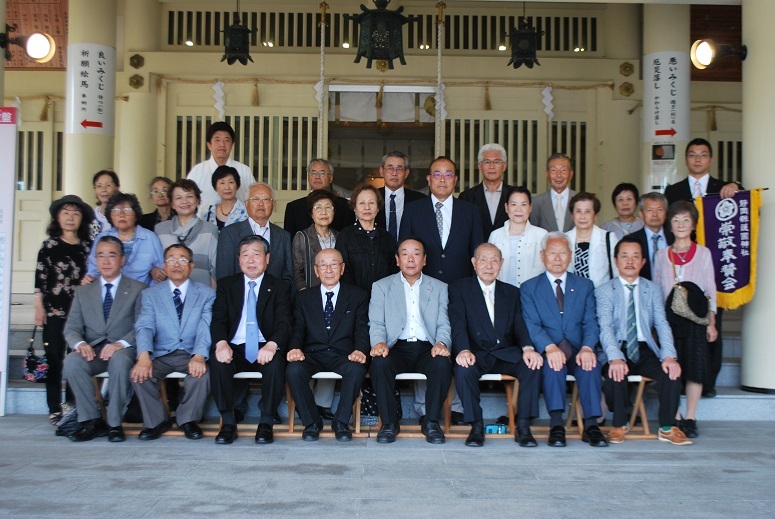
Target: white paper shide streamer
x: 220, y: 103
x: 548, y: 100
x: 17, y: 103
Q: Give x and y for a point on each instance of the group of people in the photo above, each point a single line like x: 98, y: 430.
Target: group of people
x: 387, y: 282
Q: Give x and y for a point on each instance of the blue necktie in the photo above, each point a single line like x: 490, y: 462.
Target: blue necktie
x: 393, y: 220
x: 328, y: 311
x: 178, y: 303
x: 632, y: 328
x: 251, y: 325
x: 107, y: 303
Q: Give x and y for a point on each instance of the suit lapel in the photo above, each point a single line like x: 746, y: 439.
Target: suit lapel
x: 191, y: 298
x: 571, y: 296
x: 435, y: 231
x: 550, y: 299
x: 122, y: 292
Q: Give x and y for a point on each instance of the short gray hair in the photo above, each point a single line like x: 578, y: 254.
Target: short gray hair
x: 270, y: 188
x: 554, y: 235
x: 555, y: 156
x: 491, y: 147
x: 654, y: 196
x: 398, y: 155
x: 322, y: 161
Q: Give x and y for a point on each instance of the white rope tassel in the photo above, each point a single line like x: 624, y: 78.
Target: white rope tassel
x: 441, y: 113
x: 320, y: 87
x: 220, y: 103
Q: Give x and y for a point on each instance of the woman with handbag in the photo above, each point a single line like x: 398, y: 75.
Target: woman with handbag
x: 318, y: 236
x: 690, y: 306
x: 62, y: 261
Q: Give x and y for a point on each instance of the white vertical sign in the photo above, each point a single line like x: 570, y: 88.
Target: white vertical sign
x: 8, y: 120
x: 91, y: 89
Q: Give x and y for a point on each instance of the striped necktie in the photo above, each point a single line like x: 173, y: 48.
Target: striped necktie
x: 632, y: 328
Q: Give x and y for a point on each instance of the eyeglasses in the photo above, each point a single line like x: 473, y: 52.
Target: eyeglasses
x: 104, y: 186
x: 703, y: 156
x: 119, y: 210
x: 446, y: 175
x: 323, y: 208
x: 179, y: 261
x: 321, y: 173
x: 262, y: 199
x: 110, y: 256
x: 328, y: 266
x: 158, y: 192
x: 496, y: 162
x: 396, y: 169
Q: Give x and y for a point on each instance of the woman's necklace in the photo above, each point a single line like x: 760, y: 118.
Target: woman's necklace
x: 224, y: 213
x: 681, y: 255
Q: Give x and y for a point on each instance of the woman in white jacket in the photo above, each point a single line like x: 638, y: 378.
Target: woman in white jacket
x: 518, y: 240
x: 592, y: 247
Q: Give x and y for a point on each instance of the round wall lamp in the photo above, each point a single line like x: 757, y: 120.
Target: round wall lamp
x: 38, y: 46
x: 706, y: 52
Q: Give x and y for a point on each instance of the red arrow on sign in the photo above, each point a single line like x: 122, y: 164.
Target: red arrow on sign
x: 671, y: 132
x: 93, y: 124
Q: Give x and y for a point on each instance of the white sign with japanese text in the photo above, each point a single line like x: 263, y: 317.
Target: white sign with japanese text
x: 91, y: 89
x: 666, y: 97
x: 8, y: 136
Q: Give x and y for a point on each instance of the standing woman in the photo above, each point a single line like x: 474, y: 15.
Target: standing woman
x: 684, y: 261
x: 518, y: 240
x: 62, y: 261
x: 106, y: 185
x: 313, y: 239
x: 187, y: 228
x: 368, y: 251
x: 229, y: 209
x: 625, y: 199
x: 592, y: 247
x: 160, y: 195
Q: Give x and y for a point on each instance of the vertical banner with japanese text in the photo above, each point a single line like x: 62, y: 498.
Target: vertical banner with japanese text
x: 729, y: 228
x: 91, y: 89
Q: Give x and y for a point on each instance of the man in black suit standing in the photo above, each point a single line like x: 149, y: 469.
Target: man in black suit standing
x: 395, y: 171
x: 320, y: 175
x: 490, y: 196
x: 699, y: 159
x: 251, y: 327
x: 653, y: 236
x: 489, y: 335
x: 330, y: 333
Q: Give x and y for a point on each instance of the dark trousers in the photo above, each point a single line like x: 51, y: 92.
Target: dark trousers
x: 589, y: 382
x: 272, y: 381
x: 56, y: 348
x: 299, y: 373
x: 648, y: 365
x: 467, y: 383
x: 715, y: 353
x: 409, y: 357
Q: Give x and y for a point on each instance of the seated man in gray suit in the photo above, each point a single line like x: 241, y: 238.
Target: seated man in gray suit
x: 550, y: 209
x: 629, y: 308
x: 101, y: 329
x: 173, y: 334
x: 409, y: 331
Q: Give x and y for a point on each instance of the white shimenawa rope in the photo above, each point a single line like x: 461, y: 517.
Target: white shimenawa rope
x: 321, y: 90
x: 439, y: 87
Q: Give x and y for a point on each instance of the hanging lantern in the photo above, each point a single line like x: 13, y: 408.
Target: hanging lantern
x: 381, y: 33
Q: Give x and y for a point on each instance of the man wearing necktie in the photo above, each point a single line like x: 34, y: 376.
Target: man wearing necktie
x: 173, y: 334
x: 250, y: 330
x: 550, y: 209
x: 563, y: 327
x: 330, y: 333
x: 653, y: 236
x: 629, y: 309
x: 101, y: 329
x: 492, y: 338
x: 395, y: 170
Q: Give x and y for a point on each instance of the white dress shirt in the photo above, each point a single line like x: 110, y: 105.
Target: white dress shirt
x: 415, y: 327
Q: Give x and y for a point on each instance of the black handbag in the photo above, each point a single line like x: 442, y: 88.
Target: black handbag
x: 35, y: 368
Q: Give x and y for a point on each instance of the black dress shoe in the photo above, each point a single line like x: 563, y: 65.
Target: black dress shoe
x: 525, y: 438
x: 325, y: 413
x: 191, y: 430
x: 689, y: 427
x: 116, y: 434
x: 264, y: 433
x: 227, y: 434
x: 709, y: 393
x: 594, y: 436
x: 476, y: 436
x: 239, y: 416
x: 433, y: 433
x: 388, y: 432
x: 456, y: 418
x: 90, y: 429
x: 341, y: 431
x: 557, y: 436
x: 312, y: 431
x: 155, y: 432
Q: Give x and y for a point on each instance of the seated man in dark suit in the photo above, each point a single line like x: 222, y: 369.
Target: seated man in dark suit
x: 251, y: 327
x: 490, y: 196
x: 330, y: 333
x: 173, y: 334
x: 409, y: 331
x: 559, y: 310
x: 320, y: 175
x: 629, y: 309
x: 489, y: 336
x: 101, y: 329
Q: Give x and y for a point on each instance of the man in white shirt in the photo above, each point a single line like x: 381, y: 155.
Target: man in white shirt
x: 550, y: 209
x: 220, y: 140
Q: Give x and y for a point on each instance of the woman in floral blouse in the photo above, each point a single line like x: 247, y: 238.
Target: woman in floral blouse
x: 61, y: 266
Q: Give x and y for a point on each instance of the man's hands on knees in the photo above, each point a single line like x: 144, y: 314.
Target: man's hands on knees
x: 672, y: 368
x: 533, y: 359
x: 380, y: 350
x: 465, y: 358
x: 554, y: 357
x: 617, y: 370
x: 266, y: 354
x: 586, y: 358
x: 223, y: 352
x: 143, y: 370
x: 197, y: 366
x: 439, y: 350
x: 357, y: 356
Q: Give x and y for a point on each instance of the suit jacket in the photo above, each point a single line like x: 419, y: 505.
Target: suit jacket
x: 682, y: 190
x: 306, y: 245
x: 471, y: 326
x: 578, y: 324
x: 475, y: 195
x: 297, y: 217
x: 349, y: 324
x: 387, y: 310
x: 612, y: 316
x: 158, y: 330
x: 454, y: 260
x: 86, y: 321
x: 273, y: 309
x: 227, y: 258
x: 409, y: 197
x: 642, y: 237
x: 543, y: 213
